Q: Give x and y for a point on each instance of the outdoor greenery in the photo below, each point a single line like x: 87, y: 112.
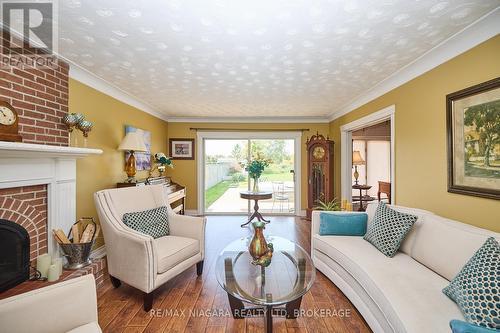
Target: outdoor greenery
x: 239, y: 180
x: 256, y: 167
x: 238, y: 177
x: 215, y: 192
x: 270, y: 160
x: 273, y: 150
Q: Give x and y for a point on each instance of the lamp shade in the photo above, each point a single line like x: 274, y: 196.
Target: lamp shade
x: 133, y: 141
x: 357, y: 159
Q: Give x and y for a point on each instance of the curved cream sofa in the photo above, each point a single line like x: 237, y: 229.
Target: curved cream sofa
x: 403, y: 293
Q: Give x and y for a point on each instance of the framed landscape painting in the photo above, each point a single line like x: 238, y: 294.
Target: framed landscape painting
x: 142, y: 160
x: 473, y: 130
x: 182, y: 149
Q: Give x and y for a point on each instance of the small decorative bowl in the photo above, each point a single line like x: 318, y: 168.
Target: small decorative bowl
x: 85, y: 126
x: 70, y: 121
x: 79, y: 117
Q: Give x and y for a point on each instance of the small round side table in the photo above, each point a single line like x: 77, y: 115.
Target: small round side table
x: 256, y: 196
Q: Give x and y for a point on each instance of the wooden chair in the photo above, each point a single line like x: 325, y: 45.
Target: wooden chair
x: 384, y: 187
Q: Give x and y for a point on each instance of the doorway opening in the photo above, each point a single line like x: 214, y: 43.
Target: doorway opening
x: 367, y: 159
x: 224, y: 156
x: 371, y: 151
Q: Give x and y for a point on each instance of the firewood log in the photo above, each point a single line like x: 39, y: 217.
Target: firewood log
x: 61, y: 236
x: 76, y: 233
x: 87, y: 233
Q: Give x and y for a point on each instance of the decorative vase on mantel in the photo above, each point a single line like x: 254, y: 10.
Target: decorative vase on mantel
x: 255, y: 185
x: 259, y: 249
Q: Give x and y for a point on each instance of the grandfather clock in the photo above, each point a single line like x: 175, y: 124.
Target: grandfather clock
x: 319, y: 171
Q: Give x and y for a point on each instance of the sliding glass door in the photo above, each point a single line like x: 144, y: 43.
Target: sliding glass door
x: 224, y: 175
x: 278, y: 177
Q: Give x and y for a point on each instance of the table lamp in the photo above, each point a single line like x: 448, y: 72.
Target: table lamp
x: 132, y: 142
x: 357, y: 160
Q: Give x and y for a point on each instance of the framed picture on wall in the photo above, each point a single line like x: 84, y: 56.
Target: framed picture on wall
x: 473, y: 131
x: 182, y: 149
x: 142, y: 160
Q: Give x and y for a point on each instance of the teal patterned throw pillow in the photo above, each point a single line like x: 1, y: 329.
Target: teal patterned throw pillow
x: 388, y: 229
x: 476, y: 289
x: 152, y: 222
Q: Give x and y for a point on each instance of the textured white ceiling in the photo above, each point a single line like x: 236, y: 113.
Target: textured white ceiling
x: 230, y: 58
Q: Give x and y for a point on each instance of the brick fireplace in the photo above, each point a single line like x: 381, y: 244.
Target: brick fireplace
x: 40, y: 96
x: 38, y: 176
x: 27, y: 206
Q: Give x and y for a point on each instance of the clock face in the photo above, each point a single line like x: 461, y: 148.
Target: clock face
x: 318, y: 153
x: 7, y: 117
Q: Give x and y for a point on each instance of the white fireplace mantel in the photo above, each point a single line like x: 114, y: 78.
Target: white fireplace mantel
x: 29, y: 150
x: 23, y: 164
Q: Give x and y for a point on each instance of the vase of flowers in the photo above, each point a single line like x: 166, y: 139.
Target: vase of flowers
x: 163, y: 162
x: 255, y: 169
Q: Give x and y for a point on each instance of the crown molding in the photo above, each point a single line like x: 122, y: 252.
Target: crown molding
x: 477, y: 32
x: 250, y: 120
x: 88, y: 78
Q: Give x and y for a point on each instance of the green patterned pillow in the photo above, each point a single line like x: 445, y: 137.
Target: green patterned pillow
x: 476, y: 289
x: 388, y: 229
x: 152, y: 222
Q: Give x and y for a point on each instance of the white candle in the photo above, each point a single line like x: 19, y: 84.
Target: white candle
x: 58, y: 263
x: 42, y: 264
x: 53, y: 273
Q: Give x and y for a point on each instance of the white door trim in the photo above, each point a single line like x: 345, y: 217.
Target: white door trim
x: 200, y: 165
x: 388, y: 113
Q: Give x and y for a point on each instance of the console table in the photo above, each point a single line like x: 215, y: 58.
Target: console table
x: 176, y: 193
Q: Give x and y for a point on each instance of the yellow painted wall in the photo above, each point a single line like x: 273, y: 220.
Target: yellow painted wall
x: 109, y: 116
x: 421, y: 162
x: 185, y: 170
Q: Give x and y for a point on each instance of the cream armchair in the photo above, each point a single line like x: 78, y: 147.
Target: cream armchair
x: 69, y: 306
x: 138, y: 259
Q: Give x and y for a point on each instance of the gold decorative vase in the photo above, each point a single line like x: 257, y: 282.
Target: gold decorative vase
x: 130, y: 167
x: 259, y: 249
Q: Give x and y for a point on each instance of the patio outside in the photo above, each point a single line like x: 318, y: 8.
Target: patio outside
x: 225, y: 175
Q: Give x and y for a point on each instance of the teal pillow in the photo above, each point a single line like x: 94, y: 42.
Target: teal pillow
x: 458, y: 326
x: 389, y: 229
x: 476, y: 288
x: 152, y: 222
x: 343, y: 224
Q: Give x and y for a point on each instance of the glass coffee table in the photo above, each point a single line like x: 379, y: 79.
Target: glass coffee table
x: 275, y: 290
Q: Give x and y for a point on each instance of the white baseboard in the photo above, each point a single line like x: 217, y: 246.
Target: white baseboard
x: 98, y: 253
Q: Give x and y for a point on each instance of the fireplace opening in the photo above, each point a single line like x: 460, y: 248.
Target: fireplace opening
x: 14, y: 254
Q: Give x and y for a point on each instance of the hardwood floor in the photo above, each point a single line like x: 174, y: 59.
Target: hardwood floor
x: 120, y: 310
